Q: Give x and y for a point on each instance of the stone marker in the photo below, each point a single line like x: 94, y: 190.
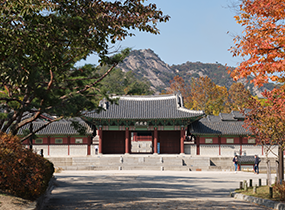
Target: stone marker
x: 254, y: 189
x: 259, y: 182
x: 250, y: 182
x: 245, y: 185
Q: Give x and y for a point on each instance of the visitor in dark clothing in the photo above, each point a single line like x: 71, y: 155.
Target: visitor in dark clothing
x: 256, y: 163
x: 235, y: 162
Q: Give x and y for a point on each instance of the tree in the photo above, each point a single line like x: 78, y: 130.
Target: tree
x: 121, y: 83
x: 266, y: 122
x: 201, y: 94
x: 262, y: 47
x: 262, y: 44
x: 208, y: 96
x: 238, y: 97
x: 41, y: 40
x: 178, y: 85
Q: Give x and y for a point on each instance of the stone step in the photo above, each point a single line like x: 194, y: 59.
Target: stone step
x: 133, y: 162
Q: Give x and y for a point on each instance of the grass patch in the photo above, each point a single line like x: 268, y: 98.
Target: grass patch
x: 261, y: 192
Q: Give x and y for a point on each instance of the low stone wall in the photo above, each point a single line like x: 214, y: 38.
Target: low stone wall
x: 146, y: 147
x: 224, y: 150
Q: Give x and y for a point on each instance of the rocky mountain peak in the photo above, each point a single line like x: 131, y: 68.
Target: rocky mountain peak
x: 146, y: 63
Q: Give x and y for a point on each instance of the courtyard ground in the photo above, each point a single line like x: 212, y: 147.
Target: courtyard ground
x: 148, y: 190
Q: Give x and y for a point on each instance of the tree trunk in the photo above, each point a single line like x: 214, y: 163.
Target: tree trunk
x: 268, y: 168
x: 277, y: 170
x: 31, y: 137
x: 281, y: 165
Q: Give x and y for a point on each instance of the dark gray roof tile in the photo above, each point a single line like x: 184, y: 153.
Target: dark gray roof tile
x: 60, y: 127
x: 146, y: 107
x: 218, y: 127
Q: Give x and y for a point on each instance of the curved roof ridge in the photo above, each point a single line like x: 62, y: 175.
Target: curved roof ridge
x: 191, y: 111
x: 146, y: 97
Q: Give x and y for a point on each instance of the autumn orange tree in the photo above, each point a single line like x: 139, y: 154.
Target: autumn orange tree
x: 262, y: 48
x: 208, y: 96
x: 239, y: 97
x: 201, y: 94
x: 262, y: 44
x: 266, y: 122
x: 178, y: 85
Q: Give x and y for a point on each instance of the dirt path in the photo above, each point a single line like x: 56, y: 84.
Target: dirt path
x: 8, y: 202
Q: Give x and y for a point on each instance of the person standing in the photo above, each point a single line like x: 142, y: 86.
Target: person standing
x: 96, y: 149
x: 235, y: 162
x: 256, y: 163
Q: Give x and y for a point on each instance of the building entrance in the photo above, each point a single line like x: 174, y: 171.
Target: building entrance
x: 141, y: 142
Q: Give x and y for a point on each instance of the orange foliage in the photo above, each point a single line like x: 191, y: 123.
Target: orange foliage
x: 201, y: 94
x: 263, y: 41
x: 22, y: 172
x: 266, y: 121
x: 178, y: 85
x: 238, y: 97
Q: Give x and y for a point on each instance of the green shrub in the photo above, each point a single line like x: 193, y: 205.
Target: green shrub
x: 23, y: 173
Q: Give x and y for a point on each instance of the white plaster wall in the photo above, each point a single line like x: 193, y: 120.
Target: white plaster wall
x: 229, y: 150
x: 78, y: 150
x: 193, y: 149
x: 37, y: 149
x: 274, y: 149
x: 187, y: 149
x: 58, y: 150
x: 209, y: 150
x: 190, y: 149
x: 252, y: 149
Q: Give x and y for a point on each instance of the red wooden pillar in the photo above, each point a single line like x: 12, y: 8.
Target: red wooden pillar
x: 155, y: 141
x: 89, y: 139
x: 240, y: 142
x: 48, y: 142
x: 198, y: 145
x: 219, y: 142
x: 182, y: 136
x: 68, y: 145
x: 127, y: 141
x: 100, y: 134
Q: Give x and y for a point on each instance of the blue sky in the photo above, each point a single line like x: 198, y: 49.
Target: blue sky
x: 197, y: 31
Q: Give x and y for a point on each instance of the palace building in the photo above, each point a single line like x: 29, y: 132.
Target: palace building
x: 162, y: 121
x: 148, y: 125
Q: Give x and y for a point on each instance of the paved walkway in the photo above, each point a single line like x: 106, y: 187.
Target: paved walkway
x: 148, y: 190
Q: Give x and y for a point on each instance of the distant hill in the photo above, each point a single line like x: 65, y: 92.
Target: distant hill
x: 145, y: 63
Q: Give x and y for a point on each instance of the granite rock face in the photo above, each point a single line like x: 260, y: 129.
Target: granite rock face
x: 145, y: 63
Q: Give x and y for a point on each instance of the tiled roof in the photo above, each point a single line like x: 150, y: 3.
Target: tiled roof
x: 239, y: 115
x: 146, y: 107
x: 227, y: 117
x: 60, y: 127
x: 213, y: 125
